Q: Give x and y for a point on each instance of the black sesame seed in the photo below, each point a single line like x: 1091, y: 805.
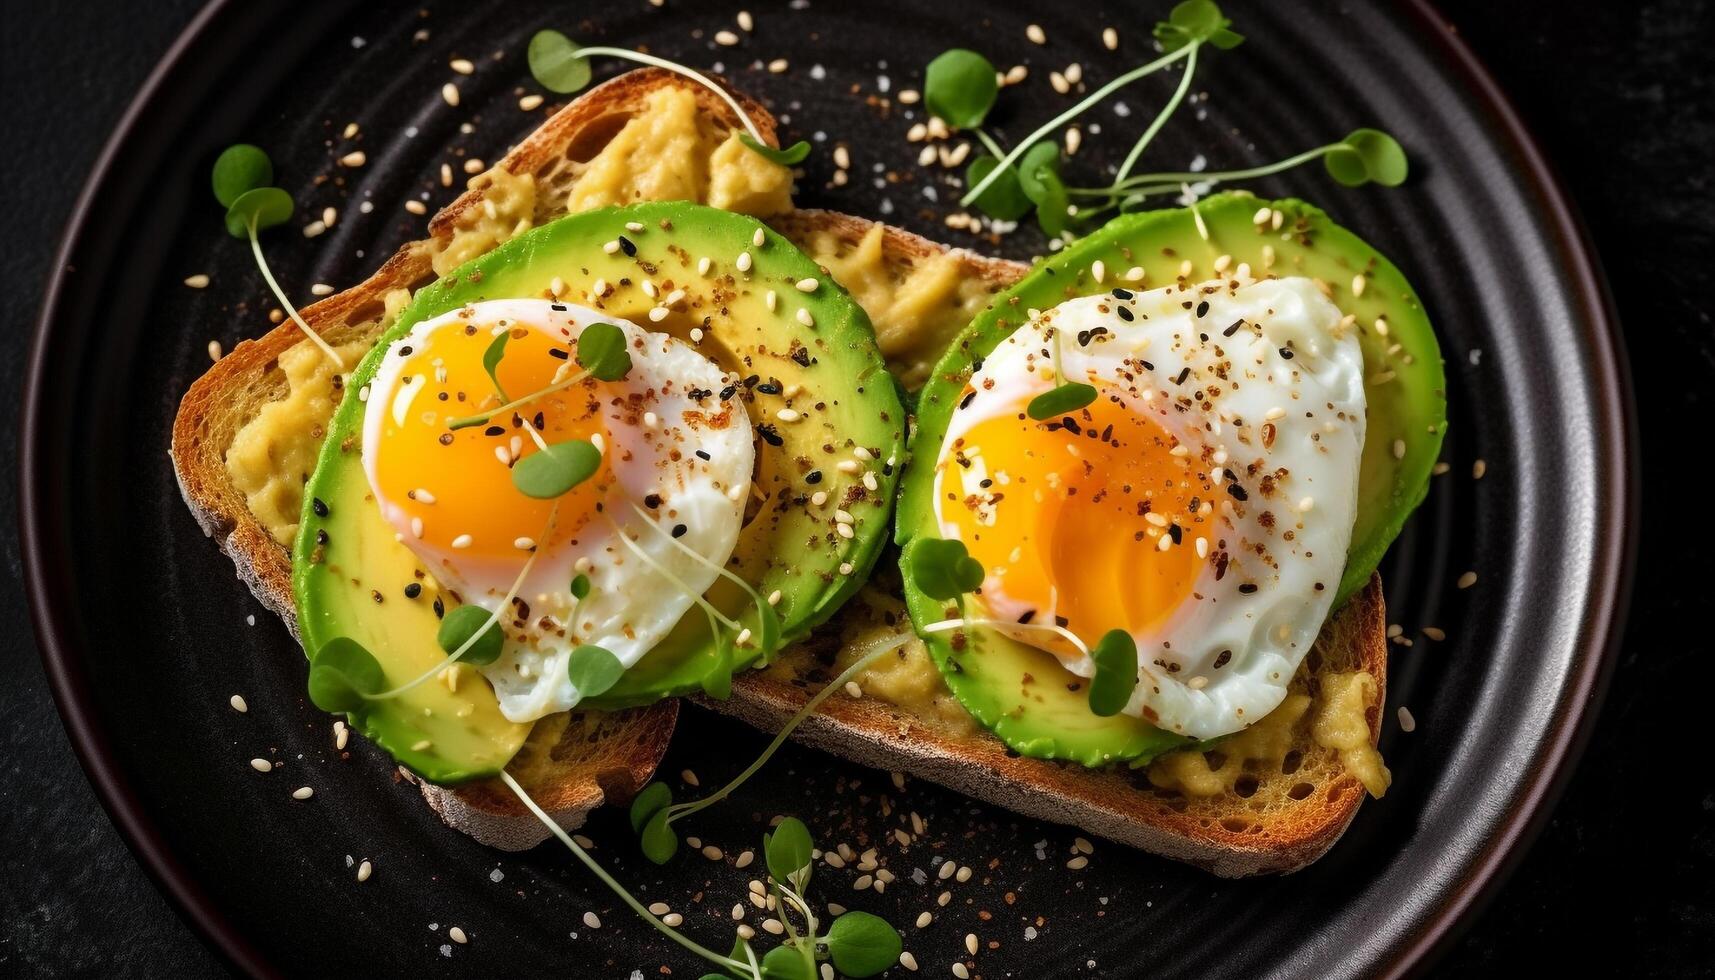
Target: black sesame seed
x: 1237, y: 492
x: 1202, y: 308
x: 728, y: 392
x: 769, y: 387
x: 1123, y: 294
x: 1124, y: 312
x: 560, y: 353
x: 539, y: 421
x: 627, y: 246
x: 406, y: 350
x: 970, y: 396
x: 679, y: 530
x: 813, y: 477
x: 446, y: 438
x: 557, y: 307
x: 1233, y: 329
x: 494, y: 430
x: 440, y: 608
x: 1176, y: 533
x: 413, y: 590
x: 703, y: 455
x: 1247, y: 589
x: 652, y: 500
x: 1183, y: 374
x: 320, y: 507
x: 770, y: 434
x: 321, y: 535
x: 1286, y: 354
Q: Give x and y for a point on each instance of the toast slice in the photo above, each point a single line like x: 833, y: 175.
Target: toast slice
x: 570, y: 765
x: 919, y: 294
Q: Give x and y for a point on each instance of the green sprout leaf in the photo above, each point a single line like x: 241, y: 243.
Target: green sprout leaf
x: 1196, y: 21
x: 1003, y: 199
x: 1116, y: 673
x: 960, y: 87
x: 653, y: 798
x: 658, y: 840
x: 580, y: 586
x: 943, y: 569
x: 787, y: 963
x: 239, y: 169
x: 555, y: 63
x: 717, y: 682
x: 491, y: 361
x: 592, y: 670
x: 341, y: 674
x: 863, y: 945
x: 548, y: 473
x: 263, y: 207
x: 1051, y: 207
x: 788, y: 851
x: 601, y: 352
x: 1059, y: 400
x: 1366, y: 156
x: 1044, y: 155
x: 460, y: 624
x: 791, y: 156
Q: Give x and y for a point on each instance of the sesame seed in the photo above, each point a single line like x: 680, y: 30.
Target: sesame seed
x: 422, y: 745
x: 214, y: 350
x: 198, y: 281
x: 1074, y: 73
x: 1306, y: 504
x: 743, y: 263
x: 462, y: 541
x: 356, y: 158
x: 745, y: 859
x: 853, y: 690
x: 1478, y: 469
x: 712, y: 852
x: 659, y: 908
x: 846, y: 568
x: 592, y: 920
x: 963, y: 874
x: 870, y: 483
x: 908, y: 961
x: 461, y: 65
x: 746, y: 932
x: 774, y: 597
x: 909, y: 96
x: 1407, y: 723
x: 261, y: 765
x: 1358, y: 284
x: 743, y: 637
x: 1439, y: 469
x: 1110, y: 39
x: 778, y: 66
x: 726, y: 38
x: 457, y: 935
x: 364, y: 870
x: 819, y: 498
x: 1058, y: 82
x: 758, y: 238
x: 450, y: 93
x: 1074, y: 139
x: 238, y: 704
x: 303, y: 793
x: 1399, y: 449
x: 745, y: 21
x: 1434, y: 633
x: 961, y: 972
x: 926, y: 156
x: 807, y: 285
x: 943, y: 898
x: 530, y: 102
x: 416, y: 207
x: 340, y: 735
x: 1467, y: 580
x: 610, y: 247
x: 850, y: 466
x: 738, y: 911
x: 924, y: 919
x: 971, y: 943
x: 788, y: 415
x: 672, y: 920
x: 1036, y: 35
x: 659, y: 313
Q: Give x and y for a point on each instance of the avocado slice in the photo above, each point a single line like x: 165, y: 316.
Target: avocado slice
x: 1011, y: 687
x: 828, y: 421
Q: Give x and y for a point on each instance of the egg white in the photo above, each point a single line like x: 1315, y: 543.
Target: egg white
x: 634, y: 602
x: 1293, y: 365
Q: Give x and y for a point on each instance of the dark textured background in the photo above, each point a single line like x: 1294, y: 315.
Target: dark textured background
x: 1622, y: 96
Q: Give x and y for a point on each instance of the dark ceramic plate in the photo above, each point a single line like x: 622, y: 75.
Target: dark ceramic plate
x: 144, y: 627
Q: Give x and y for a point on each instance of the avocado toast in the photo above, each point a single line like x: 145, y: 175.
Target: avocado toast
x: 1223, y: 815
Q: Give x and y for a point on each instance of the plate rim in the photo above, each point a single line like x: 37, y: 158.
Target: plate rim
x: 1612, y: 569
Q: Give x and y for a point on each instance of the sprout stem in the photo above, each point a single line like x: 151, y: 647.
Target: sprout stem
x: 1070, y: 114
x: 1162, y: 116
x: 517, y: 403
x: 618, y: 889
x: 1001, y: 624
x: 280, y: 294
x: 882, y: 647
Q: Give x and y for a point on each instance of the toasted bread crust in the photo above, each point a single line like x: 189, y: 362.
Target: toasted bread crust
x: 1115, y: 802
x: 612, y: 756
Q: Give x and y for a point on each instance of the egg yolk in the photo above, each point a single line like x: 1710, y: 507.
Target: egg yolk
x: 1067, y: 517
x: 458, y: 484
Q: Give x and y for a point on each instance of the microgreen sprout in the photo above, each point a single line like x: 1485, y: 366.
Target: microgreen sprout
x: 240, y: 180
x: 1066, y: 396
x: 858, y: 944
x: 768, y: 621
x: 653, y: 803
x: 561, y: 65
x: 593, y: 670
x: 1115, y: 656
x: 943, y: 569
x: 1007, y: 184
x: 555, y: 468
x: 459, y: 627
x: 600, y: 352
x: 492, y: 357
